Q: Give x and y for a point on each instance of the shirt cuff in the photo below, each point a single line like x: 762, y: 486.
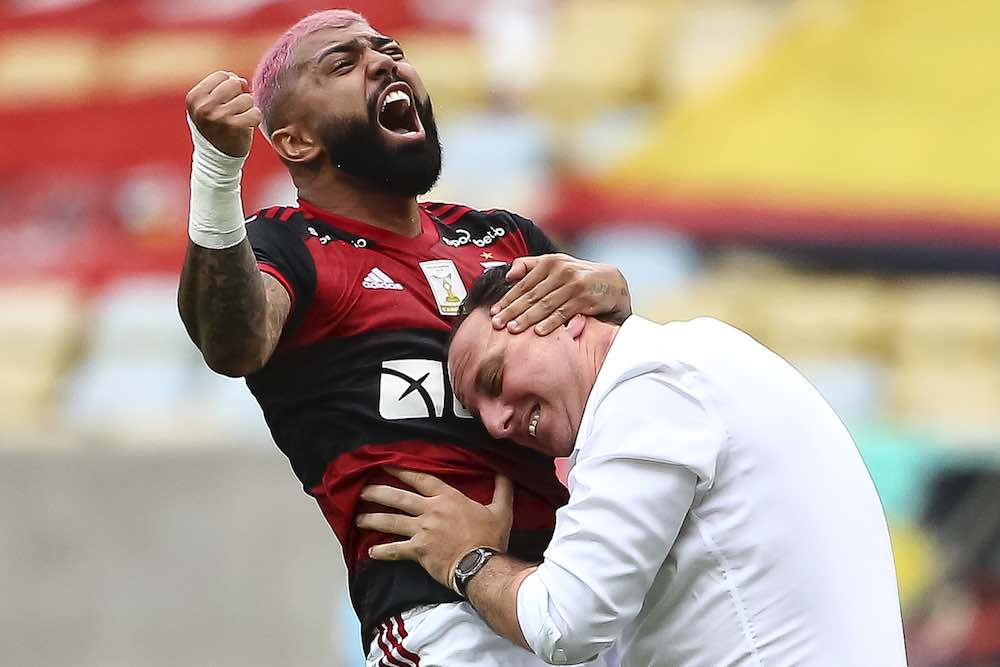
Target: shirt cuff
x: 537, y: 626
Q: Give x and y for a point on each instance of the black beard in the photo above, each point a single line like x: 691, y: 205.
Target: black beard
x: 358, y: 148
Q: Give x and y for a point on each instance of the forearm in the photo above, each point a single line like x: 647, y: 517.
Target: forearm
x: 223, y: 297
x: 493, y: 592
x: 223, y: 303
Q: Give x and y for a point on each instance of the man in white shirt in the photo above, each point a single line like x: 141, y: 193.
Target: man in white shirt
x: 719, y: 512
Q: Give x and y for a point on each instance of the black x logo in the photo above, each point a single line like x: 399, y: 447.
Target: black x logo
x: 413, y: 385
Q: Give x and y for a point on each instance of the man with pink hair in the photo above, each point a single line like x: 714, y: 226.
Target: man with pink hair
x: 337, y: 311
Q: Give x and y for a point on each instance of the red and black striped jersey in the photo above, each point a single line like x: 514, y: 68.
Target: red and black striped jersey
x: 359, y: 379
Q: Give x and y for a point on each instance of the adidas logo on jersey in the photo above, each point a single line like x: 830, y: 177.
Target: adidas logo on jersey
x: 378, y: 279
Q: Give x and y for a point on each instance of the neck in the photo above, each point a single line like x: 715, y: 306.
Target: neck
x: 350, y: 197
x: 600, y: 336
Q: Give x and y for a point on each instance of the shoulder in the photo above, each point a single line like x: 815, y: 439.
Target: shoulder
x: 285, y: 221
x: 657, y: 418
x: 460, y: 225
x: 291, y: 222
x: 275, y: 215
x: 653, y: 372
x: 449, y: 214
x: 682, y: 372
x: 677, y: 344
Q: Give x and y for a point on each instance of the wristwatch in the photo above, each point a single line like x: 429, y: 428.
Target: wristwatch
x: 470, y: 564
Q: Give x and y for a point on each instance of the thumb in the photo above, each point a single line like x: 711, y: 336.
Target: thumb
x: 503, y: 494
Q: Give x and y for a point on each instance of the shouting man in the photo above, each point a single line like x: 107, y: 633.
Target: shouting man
x: 337, y: 310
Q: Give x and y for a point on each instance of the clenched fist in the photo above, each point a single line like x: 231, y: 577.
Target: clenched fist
x: 222, y: 109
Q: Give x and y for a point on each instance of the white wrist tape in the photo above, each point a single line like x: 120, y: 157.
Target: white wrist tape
x: 216, y: 217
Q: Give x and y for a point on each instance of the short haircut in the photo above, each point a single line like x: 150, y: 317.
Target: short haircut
x: 269, y: 79
x: 487, y: 290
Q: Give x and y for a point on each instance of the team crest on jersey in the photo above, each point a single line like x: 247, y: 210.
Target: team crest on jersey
x: 446, y: 284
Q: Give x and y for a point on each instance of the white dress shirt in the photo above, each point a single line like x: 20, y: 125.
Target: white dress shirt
x: 719, y: 514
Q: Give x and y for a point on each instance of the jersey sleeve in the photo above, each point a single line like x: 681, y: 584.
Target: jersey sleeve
x: 282, y: 253
x: 537, y: 241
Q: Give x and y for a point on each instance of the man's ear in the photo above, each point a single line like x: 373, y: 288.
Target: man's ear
x: 576, y: 325
x: 295, y: 144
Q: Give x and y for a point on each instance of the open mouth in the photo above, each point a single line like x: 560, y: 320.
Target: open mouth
x: 397, y: 112
x: 536, y: 414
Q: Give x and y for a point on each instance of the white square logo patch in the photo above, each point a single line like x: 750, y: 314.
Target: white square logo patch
x: 446, y: 284
x: 411, y: 389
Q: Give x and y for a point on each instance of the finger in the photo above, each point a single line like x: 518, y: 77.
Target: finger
x: 400, y: 499
x: 208, y: 84
x: 537, y: 304
x: 237, y: 105
x: 503, y: 494
x: 429, y: 485
x: 531, y: 277
x: 402, y: 550
x: 520, y: 267
x: 251, y: 118
x: 385, y: 522
x: 563, y: 313
x: 226, y: 91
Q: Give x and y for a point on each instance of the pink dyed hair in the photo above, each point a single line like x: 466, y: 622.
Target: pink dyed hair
x: 272, y: 68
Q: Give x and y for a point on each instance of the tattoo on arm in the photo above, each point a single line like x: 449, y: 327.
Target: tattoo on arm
x: 233, y: 313
x: 623, y: 306
x: 600, y: 289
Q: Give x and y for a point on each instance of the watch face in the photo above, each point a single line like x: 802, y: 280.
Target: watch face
x: 469, y: 561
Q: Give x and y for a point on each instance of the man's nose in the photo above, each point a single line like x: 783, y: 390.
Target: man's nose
x: 498, y: 419
x: 381, y: 65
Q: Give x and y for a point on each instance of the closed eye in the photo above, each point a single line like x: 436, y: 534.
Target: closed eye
x: 496, y: 384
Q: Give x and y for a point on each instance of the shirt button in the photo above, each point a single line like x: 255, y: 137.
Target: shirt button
x: 559, y: 657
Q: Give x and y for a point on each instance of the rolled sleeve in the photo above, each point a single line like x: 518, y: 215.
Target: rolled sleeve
x: 635, y: 478
x: 538, y: 623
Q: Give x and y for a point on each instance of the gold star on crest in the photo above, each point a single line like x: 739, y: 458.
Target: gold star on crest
x: 486, y: 255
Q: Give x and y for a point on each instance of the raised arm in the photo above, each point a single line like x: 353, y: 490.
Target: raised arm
x: 233, y: 312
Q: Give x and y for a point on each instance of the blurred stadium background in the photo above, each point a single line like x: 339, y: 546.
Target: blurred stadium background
x: 821, y: 173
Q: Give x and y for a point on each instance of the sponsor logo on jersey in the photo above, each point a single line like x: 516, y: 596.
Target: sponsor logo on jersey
x: 414, y: 389
x: 464, y: 237
x: 411, y: 389
x: 323, y: 240
x: 446, y: 284
x: 378, y: 279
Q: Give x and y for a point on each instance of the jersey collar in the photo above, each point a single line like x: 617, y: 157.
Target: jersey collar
x: 428, y: 235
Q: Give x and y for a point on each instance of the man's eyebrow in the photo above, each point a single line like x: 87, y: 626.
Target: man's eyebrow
x: 487, y: 369
x: 380, y: 41
x: 356, y: 44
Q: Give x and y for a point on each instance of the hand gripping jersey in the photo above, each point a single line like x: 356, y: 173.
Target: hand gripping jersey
x: 359, y: 378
